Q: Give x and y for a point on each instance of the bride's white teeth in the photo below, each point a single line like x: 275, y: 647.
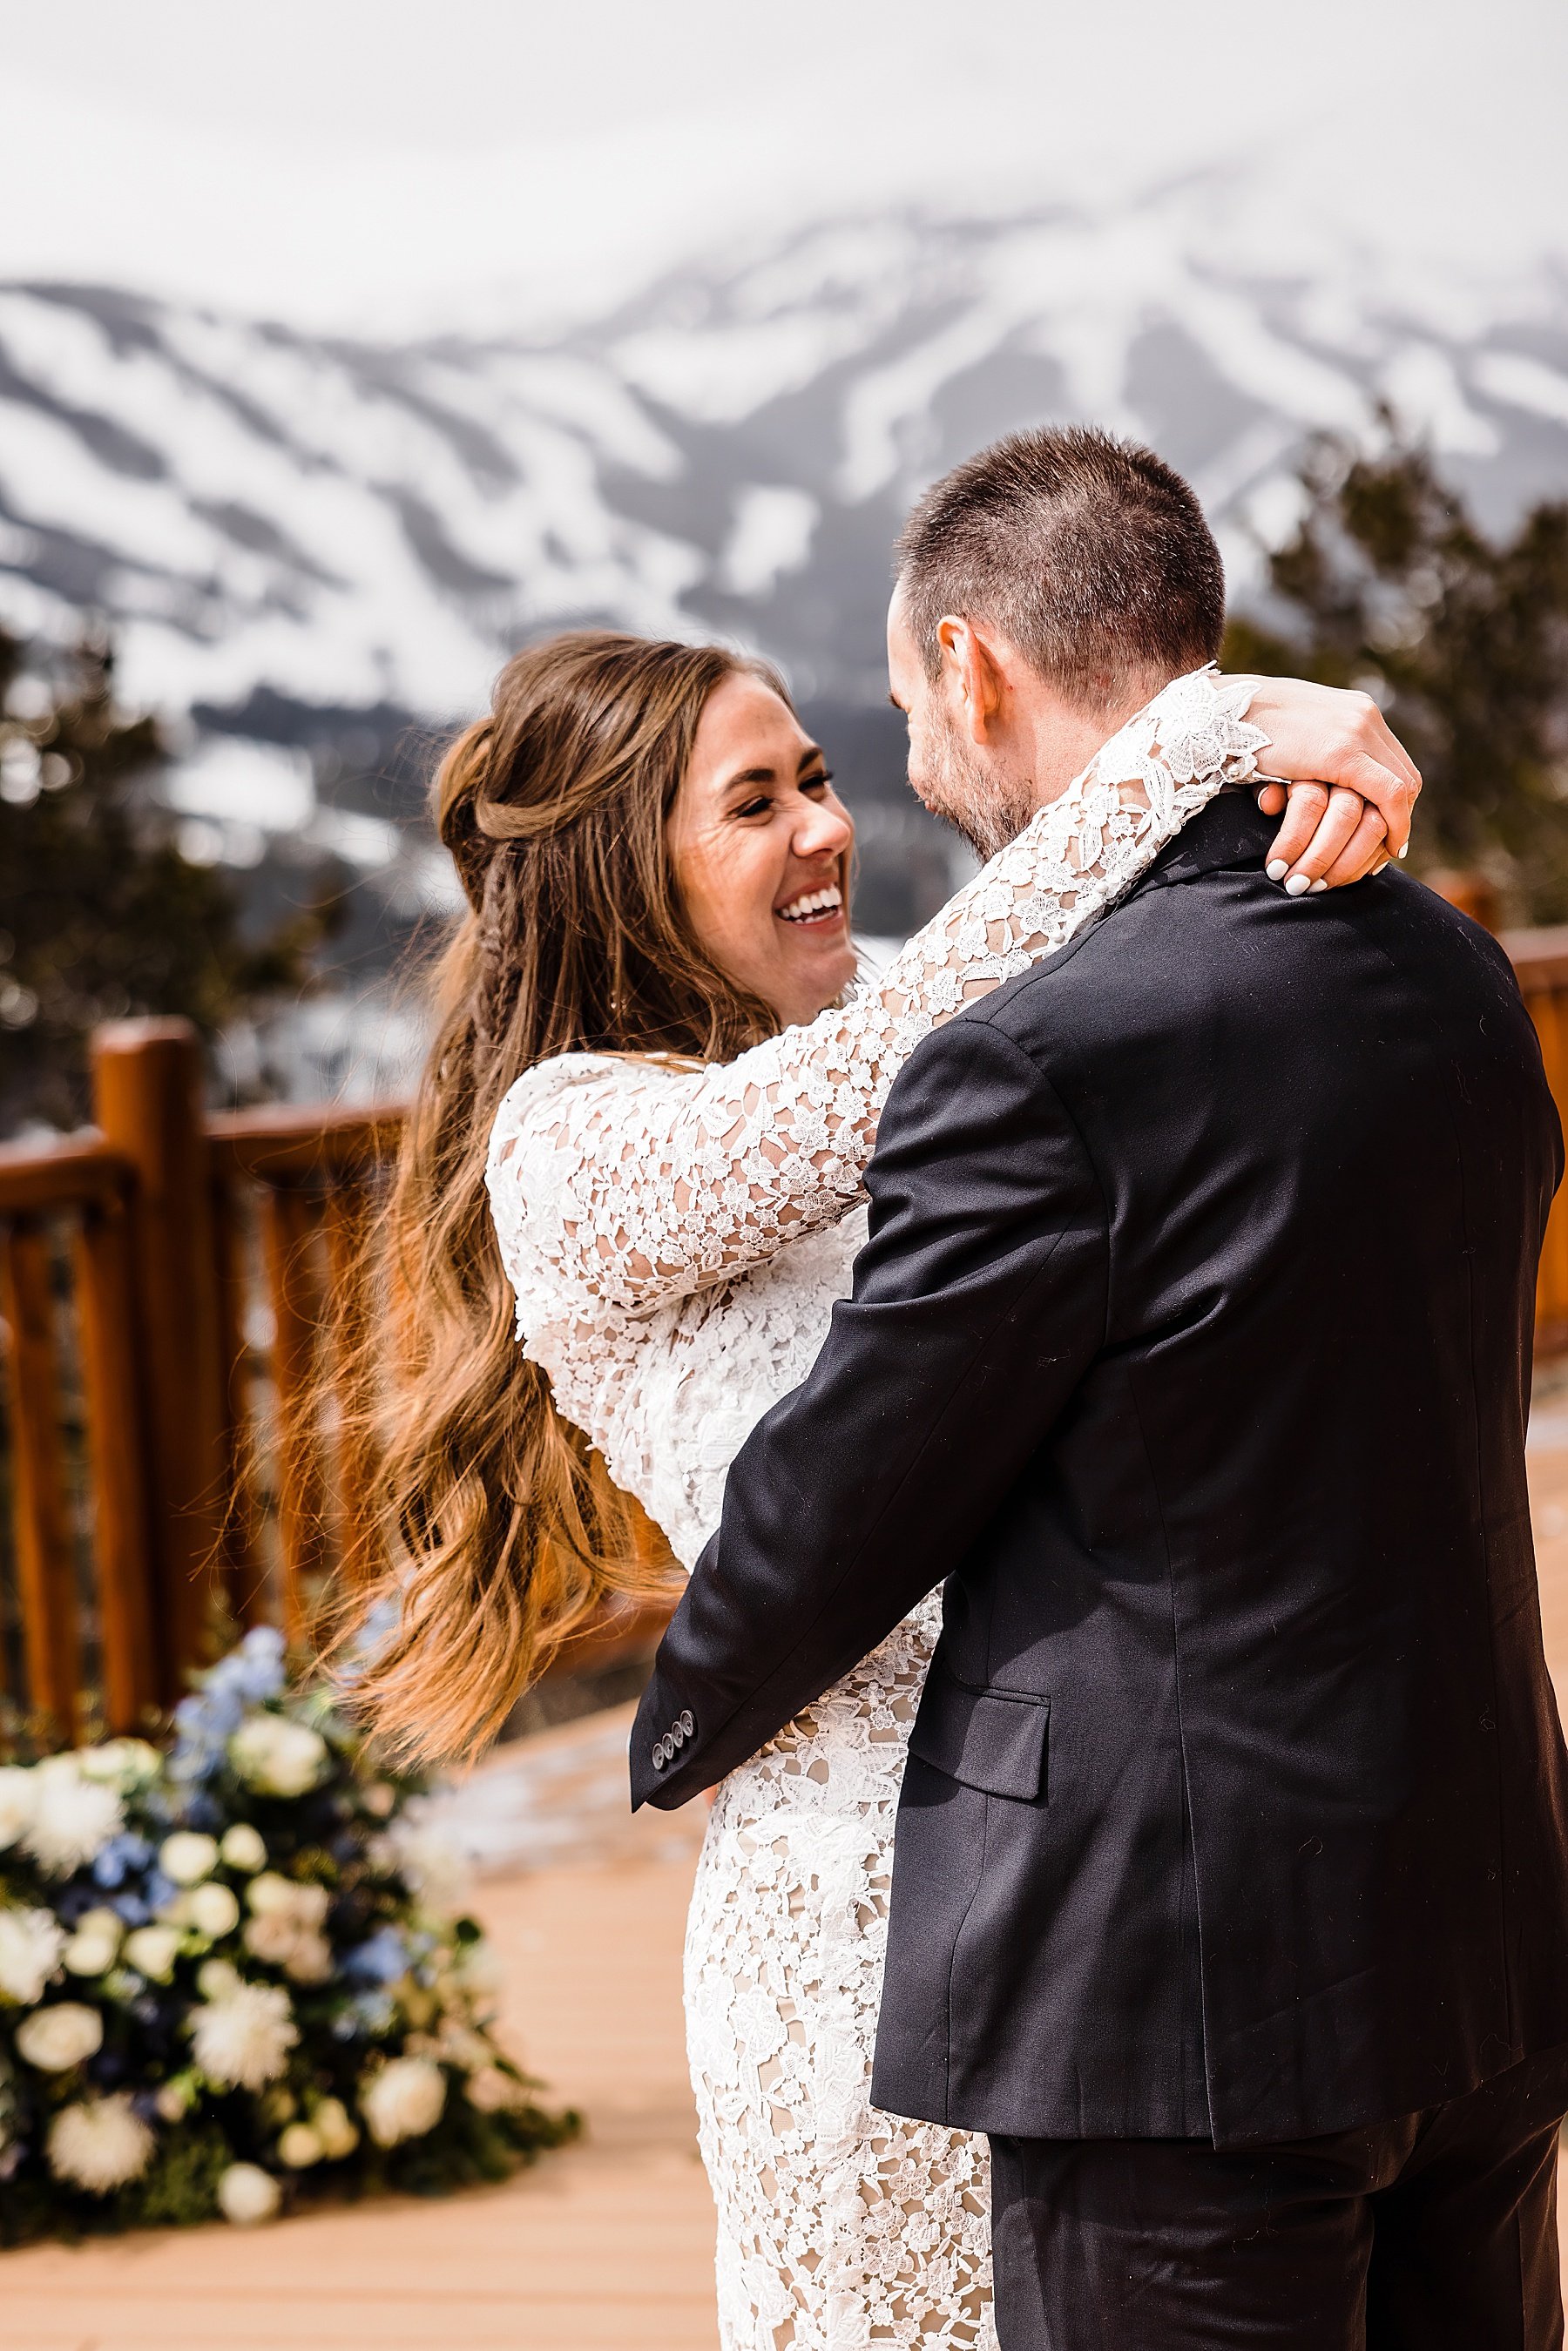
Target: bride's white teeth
x: 812, y: 903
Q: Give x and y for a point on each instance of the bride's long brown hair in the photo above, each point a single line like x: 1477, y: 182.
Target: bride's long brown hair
x: 500, y: 1530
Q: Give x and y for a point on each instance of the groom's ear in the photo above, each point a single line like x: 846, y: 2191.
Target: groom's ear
x: 974, y: 676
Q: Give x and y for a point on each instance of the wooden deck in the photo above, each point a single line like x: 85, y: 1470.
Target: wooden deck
x: 605, y: 2247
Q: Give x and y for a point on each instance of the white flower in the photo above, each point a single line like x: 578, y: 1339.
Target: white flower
x: 403, y: 2100
x: 152, y: 1951
x: 175, y: 2097
x: 99, y: 2144
x: 215, y: 1979
x: 271, y: 1939
x: 339, y: 2136
x: 272, y: 1896
x: 242, y: 2041
x: 188, y: 1857
x: 213, y: 1910
x: 122, y: 1763
x: 432, y: 1863
x: 276, y: 1757
x: 298, y: 2146
x: 31, y: 1942
x: 243, y: 1848
x: 492, y: 2091
x: 247, y: 2194
x: 310, y: 1960
x: 55, y: 2039
x: 16, y: 1804
x: 94, y: 1948
x: 73, y: 1817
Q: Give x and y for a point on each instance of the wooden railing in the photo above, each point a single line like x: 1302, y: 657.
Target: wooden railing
x: 179, y: 1460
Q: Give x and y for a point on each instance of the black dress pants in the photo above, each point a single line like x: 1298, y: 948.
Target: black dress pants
x: 1435, y: 2233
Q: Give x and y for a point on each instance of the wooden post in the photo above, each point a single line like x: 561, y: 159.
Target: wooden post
x: 147, y: 1087
x: 116, y: 1408
x: 46, y: 1568
x: 289, y: 1217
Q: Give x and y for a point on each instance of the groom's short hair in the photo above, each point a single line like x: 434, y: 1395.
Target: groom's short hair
x: 1089, y: 554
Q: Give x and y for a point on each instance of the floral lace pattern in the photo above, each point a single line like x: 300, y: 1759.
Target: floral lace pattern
x: 641, y: 1210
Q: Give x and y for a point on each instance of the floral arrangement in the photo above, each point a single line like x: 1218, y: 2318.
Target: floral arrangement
x: 229, y: 1976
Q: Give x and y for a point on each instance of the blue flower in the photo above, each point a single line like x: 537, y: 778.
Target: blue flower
x: 120, y: 1857
x: 382, y: 1959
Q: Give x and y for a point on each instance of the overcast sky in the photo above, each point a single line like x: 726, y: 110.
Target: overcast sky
x: 332, y: 160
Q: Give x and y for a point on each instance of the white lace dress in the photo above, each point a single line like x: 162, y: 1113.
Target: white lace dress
x: 643, y: 1211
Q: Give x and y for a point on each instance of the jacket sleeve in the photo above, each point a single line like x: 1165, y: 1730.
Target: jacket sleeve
x: 979, y: 1302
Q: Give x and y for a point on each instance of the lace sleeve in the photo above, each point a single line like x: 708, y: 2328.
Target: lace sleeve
x: 622, y: 1183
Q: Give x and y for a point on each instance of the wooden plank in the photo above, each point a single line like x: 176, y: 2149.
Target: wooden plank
x: 288, y: 1221
x: 283, y: 1140
x: 82, y: 1168
x: 46, y: 1568
x: 347, y: 1224
x: 243, y: 1572
x: 105, y: 1308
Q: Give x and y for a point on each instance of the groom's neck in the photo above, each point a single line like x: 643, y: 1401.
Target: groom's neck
x: 1063, y: 734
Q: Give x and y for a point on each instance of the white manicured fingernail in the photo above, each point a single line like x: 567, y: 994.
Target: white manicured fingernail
x: 1317, y: 886
x: 1296, y: 886
x: 1276, y: 869
x: 1405, y: 849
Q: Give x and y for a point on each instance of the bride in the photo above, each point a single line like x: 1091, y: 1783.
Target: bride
x: 642, y: 1129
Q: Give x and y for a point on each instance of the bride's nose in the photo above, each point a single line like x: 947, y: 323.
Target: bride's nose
x: 824, y: 830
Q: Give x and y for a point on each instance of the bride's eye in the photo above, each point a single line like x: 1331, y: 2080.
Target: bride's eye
x: 754, y: 807
x: 816, y: 783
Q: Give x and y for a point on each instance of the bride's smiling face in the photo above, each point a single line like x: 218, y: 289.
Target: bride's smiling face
x: 760, y: 843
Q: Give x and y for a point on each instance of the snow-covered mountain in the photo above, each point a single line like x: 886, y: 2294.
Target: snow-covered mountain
x: 342, y: 524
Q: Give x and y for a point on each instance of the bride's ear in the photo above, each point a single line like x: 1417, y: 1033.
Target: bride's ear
x: 972, y: 676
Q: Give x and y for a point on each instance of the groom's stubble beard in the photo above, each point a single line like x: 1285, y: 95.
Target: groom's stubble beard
x: 989, y: 808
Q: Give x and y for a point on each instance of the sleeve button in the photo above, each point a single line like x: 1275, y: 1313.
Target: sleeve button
x: 688, y: 1722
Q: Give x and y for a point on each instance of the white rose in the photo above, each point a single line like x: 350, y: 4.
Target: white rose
x: 243, y: 1848
x: 337, y: 2135
x: 99, y: 2144
x: 271, y: 1938
x: 73, y: 1817
x: 492, y: 2091
x: 31, y: 1943
x: 215, y: 1979
x: 16, y: 1804
x: 55, y: 2039
x: 310, y: 1960
x: 213, y: 1910
x: 403, y: 2100
x: 152, y: 1951
x: 242, y: 2041
x: 94, y: 1948
x: 298, y: 2147
x: 175, y: 2098
x: 123, y: 1762
x: 188, y: 1857
x: 247, y: 2194
x: 278, y: 1757
x: 272, y: 1896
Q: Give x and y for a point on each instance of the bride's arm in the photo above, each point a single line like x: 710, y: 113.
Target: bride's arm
x: 622, y: 1183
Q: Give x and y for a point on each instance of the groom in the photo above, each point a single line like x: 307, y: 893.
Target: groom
x: 1191, y: 1346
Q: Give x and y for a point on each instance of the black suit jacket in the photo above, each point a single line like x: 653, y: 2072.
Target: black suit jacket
x: 1191, y: 1345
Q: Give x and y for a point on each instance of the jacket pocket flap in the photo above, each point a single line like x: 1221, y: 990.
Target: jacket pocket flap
x: 991, y: 1739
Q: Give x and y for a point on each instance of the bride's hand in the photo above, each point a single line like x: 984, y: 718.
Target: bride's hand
x: 1350, y: 786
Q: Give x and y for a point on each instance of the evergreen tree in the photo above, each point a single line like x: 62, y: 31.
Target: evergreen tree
x: 1389, y: 585
x: 100, y: 916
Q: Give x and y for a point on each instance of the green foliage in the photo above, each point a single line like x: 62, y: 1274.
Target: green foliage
x: 1388, y: 584
x: 100, y: 916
